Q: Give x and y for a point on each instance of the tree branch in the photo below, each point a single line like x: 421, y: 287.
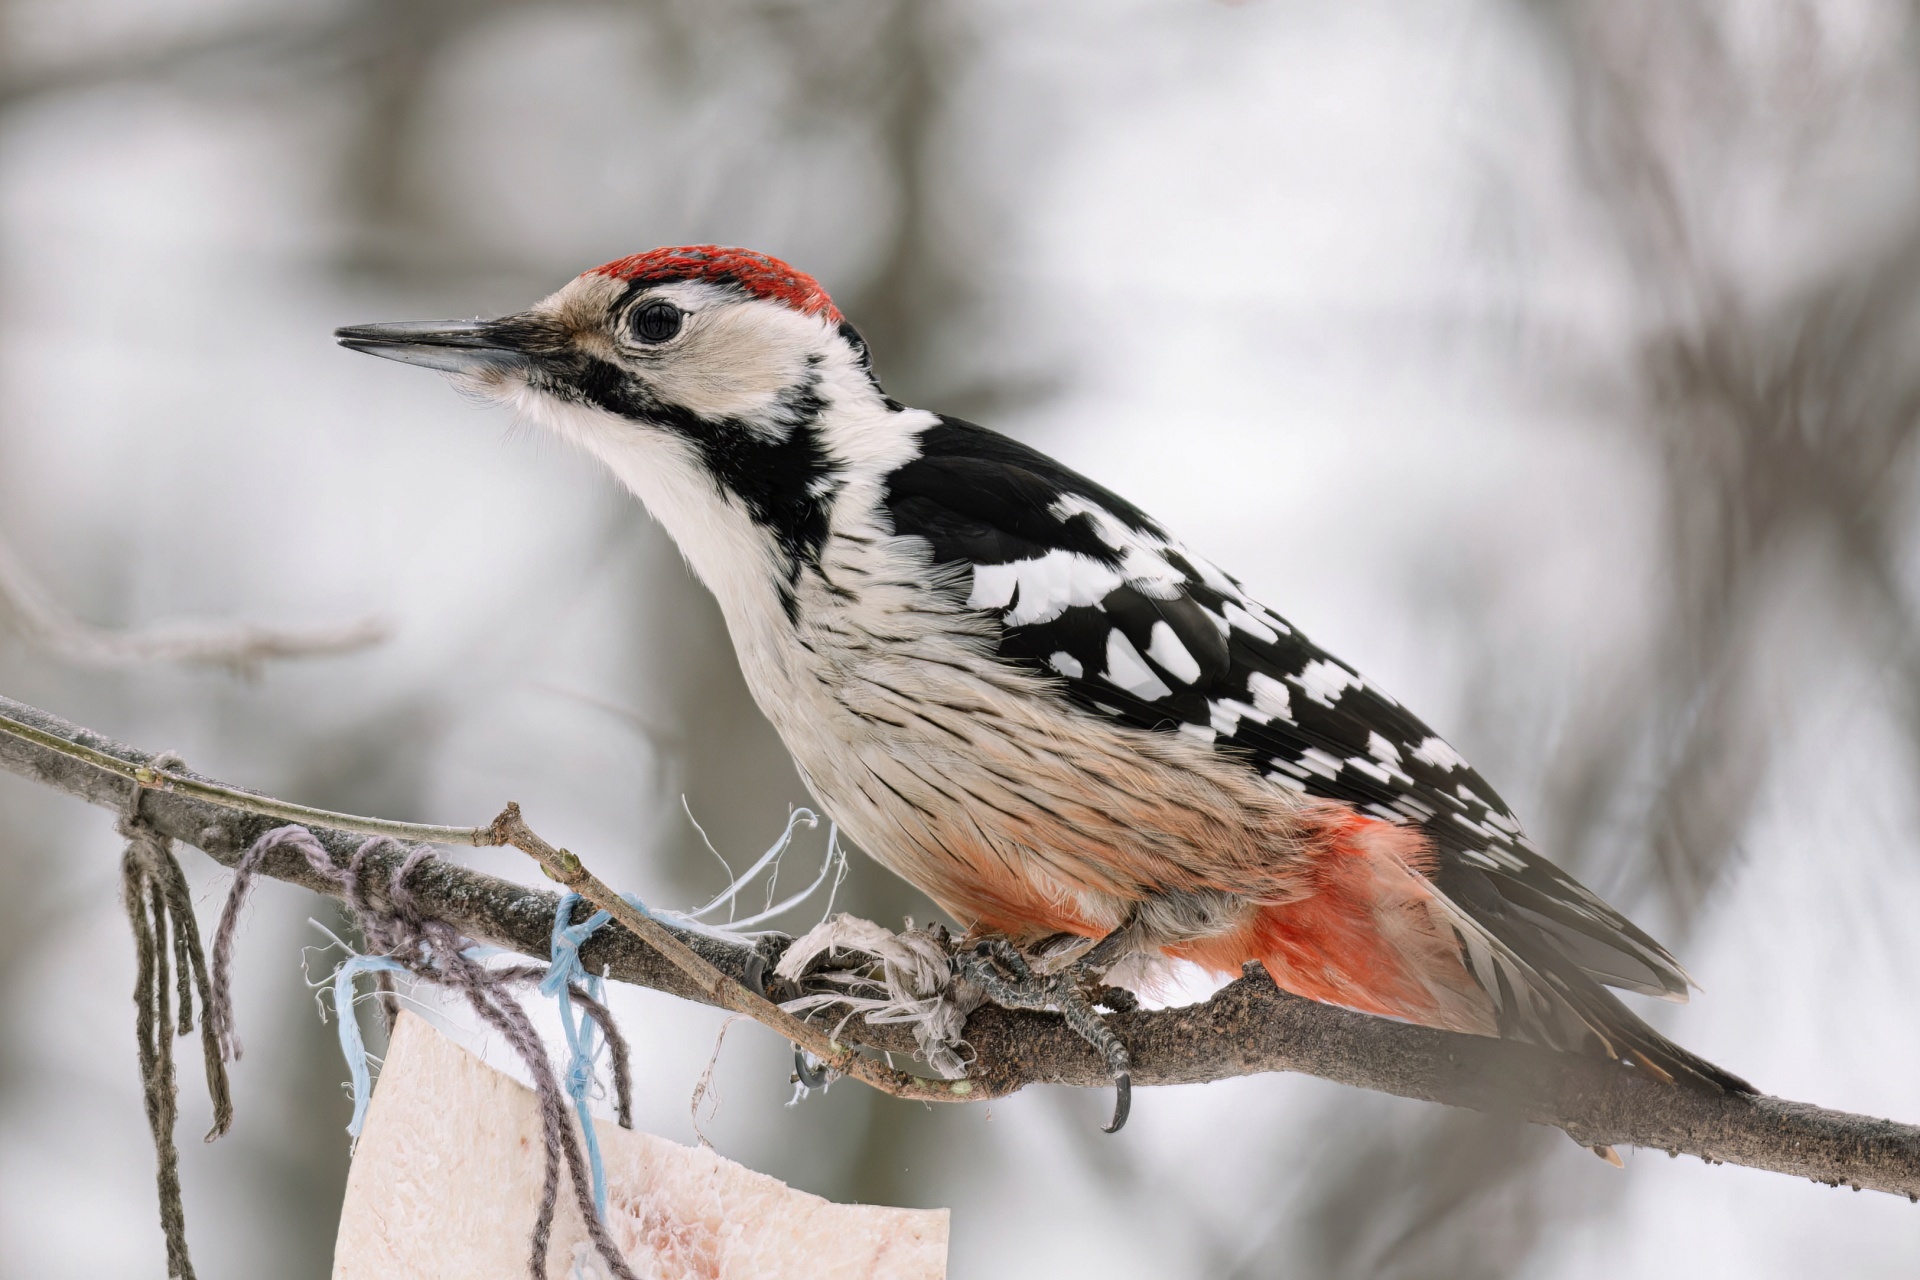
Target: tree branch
x: 1248, y: 1027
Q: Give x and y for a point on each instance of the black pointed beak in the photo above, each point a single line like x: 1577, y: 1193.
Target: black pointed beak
x: 451, y: 346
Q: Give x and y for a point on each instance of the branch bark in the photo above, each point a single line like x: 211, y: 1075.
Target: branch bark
x: 1248, y: 1027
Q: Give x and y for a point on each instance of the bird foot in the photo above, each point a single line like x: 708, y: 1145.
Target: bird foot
x: 998, y: 968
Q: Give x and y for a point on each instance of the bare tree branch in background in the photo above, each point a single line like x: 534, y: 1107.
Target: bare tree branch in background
x: 27, y: 608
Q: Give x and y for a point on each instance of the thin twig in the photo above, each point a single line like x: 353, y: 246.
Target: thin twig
x: 1248, y: 1027
x: 145, y: 773
x: 33, y: 612
x: 716, y: 987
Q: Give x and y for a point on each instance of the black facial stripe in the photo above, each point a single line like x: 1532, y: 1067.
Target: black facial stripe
x: 786, y: 484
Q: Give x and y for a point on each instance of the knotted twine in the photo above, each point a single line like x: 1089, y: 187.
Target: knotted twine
x: 568, y: 982
x: 160, y: 908
x: 432, y: 950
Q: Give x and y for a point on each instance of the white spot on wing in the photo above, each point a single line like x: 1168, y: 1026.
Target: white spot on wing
x: 1165, y: 648
x: 1046, y: 586
x: 1272, y: 619
x: 1507, y: 858
x: 1126, y: 669
x: 993, y: 585
x: 1210, y: 575
x: 1368, y: 767
x: 1143, y: 565
x: 1502, y: 821
x: 1325, y: 680
x: 1388, y: 769
x: 1240, y: 710
x: 1150, y: 575
x: 1439, y: 755
x: 1413, y: 808
x: 1236, y: 616
x: 1270, y: 696
x: 1318, y: 761
x: 1222, y: 715
x: 1067, y: 665
x: 1105, y: 527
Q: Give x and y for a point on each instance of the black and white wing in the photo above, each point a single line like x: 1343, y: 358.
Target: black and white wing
x: 1090, y: 589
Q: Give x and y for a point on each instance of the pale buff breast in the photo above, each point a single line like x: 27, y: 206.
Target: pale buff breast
x: 975, y: 782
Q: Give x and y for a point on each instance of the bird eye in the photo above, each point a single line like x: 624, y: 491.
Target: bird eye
x: 656, y: 322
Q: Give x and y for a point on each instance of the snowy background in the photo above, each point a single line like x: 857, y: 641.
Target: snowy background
x: 1553, y: 361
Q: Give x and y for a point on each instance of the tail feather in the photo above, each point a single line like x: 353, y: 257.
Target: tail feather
x: 1388, y: 929
x: 1621, y: 1033
x: 1598, y: 943
x: 1567, y: 1009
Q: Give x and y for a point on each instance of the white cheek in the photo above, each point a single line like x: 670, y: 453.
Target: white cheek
x: 736, y: 361
x: 727, y: 549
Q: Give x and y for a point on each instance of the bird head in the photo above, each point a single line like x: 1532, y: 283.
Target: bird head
x: 720, y: 385
x: 680, y: 339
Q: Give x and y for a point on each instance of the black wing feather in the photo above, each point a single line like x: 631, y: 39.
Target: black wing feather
x: 1174, y: 644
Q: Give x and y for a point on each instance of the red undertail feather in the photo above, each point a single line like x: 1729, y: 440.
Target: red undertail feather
x: 1370, y: 936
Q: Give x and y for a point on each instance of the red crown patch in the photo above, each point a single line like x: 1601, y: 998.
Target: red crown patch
x: 760, y: 275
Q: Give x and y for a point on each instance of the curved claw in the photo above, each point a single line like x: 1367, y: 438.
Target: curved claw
x: 755, y: 977
x: 811, y: 1076
x: 996, y: 965
x: 1122, y: 1102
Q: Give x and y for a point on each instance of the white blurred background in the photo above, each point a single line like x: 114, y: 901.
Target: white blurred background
x: 1553, y: 361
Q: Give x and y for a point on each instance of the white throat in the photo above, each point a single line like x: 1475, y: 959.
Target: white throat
x: 728, y: 550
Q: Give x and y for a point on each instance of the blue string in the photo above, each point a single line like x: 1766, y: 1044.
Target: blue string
x: 582, y: 1043
x: 352, y: 1047
x: 583, y: 1046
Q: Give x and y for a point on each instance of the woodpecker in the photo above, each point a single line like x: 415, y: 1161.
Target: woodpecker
x: 1017, y: 690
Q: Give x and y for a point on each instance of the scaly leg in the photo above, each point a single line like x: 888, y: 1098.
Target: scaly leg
x: 1004, y: 974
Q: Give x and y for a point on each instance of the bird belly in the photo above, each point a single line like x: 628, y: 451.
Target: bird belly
x: 1022, y: 815
x: 1077, y: 826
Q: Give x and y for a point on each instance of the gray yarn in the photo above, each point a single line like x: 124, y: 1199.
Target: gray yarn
x: 160, y: 908
x: 433, y: 951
